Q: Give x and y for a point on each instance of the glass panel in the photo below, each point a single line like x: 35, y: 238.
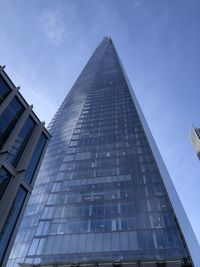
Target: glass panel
x: 115, y: 242
x: 123, y: 240
x: 82, y: 243
x: 9, y: 118
x: 49, y: 245
x: 30, y: 171
x: 18, y: 147
x: 5, y: 177
x: 11, y: 220
x: 33, y: 247
x: 57, y: 244
x: 4, y: 89
x: 133, y: 243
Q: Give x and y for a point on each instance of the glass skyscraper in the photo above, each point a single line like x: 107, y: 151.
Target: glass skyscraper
x: 103, y: 193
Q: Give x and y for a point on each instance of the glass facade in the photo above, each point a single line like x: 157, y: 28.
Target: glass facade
x: 11, y: 220
x: 99, y: 194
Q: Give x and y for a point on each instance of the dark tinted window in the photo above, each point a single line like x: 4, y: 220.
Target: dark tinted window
x: 30, y: 171
x: 11, y: 221
x: 19, y: 145
x: 4, y: 89
x: 9, y: 118
x: 4, y: 180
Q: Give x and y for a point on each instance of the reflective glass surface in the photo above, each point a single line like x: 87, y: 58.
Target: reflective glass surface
x: 18, y: 147
x: 99, y: 194
x: 4, y: 89
x: 11, y: 220
x: 9, y: 118
x: 5, y: 177
x: 30, y: 171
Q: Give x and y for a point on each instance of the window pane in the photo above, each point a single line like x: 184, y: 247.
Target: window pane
x: 4, y: 180
x: 81, y: 243
x: 4, y: 89
x: 9, y: 118
x: 19, y: 145
x: 11, y: 220
x: 30, y: 171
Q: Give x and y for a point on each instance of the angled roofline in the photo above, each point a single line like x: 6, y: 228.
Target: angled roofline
x: 185, y: 226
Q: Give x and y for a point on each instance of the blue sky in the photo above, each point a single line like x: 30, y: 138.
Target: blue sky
x: 45, y: 45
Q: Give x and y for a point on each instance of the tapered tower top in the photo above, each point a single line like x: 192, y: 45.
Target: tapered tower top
x: 103, y: 193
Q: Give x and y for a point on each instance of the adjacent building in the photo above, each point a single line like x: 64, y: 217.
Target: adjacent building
x: 195, y: 138
x: 23, y: 141
x: 103, y: 196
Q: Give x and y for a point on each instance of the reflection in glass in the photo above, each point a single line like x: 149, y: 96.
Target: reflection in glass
x: 9, y: 118
x: 30, y: 171
x: 17, y: 149
x: 5, y: 177
x: 4, y: 89
x: 11, y: 220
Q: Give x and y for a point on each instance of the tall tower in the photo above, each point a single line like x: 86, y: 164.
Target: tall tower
x: 103, y: 193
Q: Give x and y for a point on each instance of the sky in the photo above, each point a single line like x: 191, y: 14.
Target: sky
x: 45, y: 45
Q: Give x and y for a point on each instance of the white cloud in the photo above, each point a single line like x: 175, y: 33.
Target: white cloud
x: 54, y: 24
